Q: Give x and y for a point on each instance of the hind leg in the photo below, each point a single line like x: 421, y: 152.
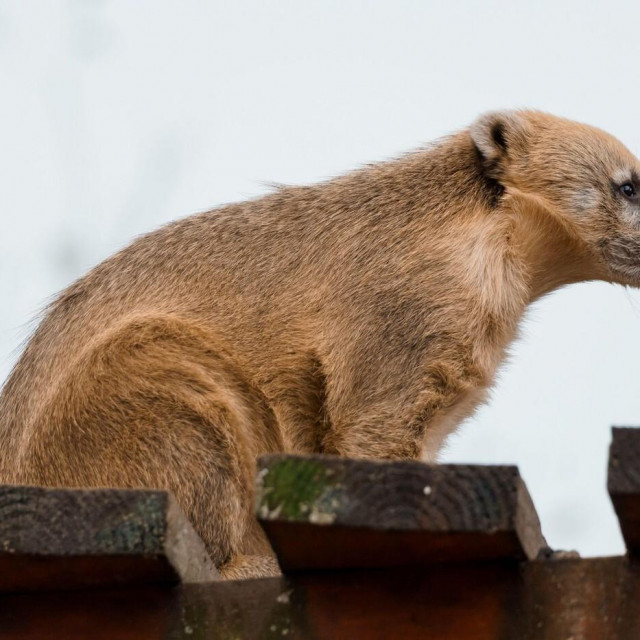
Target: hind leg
x: 154, y: 405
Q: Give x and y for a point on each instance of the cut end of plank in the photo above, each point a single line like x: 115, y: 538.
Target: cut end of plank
x: 322, y: 512
x: 71, y: 538
x: 623, y: 483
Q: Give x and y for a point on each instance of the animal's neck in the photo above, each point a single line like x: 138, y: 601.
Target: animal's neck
x: 552, y: 254
x: 510, y: 257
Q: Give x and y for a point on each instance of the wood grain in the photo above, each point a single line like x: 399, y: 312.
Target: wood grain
x: 67, y: 538
x: 590, y: 599
x: 623, y: 483
x: 322, y: 512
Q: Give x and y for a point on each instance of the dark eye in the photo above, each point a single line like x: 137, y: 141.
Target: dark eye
x: 628, y: 190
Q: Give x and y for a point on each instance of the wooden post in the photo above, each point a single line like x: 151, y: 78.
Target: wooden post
x: 379, y: 550
x: 322, y: 512
x: 623, y: 483
x: 66, y: 538
x: 589, y: 599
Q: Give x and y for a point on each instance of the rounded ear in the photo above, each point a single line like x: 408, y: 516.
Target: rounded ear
x: 498, y: 136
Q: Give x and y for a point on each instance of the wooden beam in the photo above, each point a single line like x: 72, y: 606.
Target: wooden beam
x: 623, y: 483
x: 322, y: 512
x: 591, y: 599
x: 67, y: 538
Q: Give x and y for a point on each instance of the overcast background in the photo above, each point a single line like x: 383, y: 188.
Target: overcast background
x: 118, y: 116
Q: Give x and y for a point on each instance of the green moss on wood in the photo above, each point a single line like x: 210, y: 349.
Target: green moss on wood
x: 142, y: 530
x: 300, y: 490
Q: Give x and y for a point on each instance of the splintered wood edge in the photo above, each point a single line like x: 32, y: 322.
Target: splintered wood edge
x: 71, y: 523
x: 329, y: 491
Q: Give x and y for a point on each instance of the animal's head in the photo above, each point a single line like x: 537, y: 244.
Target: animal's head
x: 579, y: 174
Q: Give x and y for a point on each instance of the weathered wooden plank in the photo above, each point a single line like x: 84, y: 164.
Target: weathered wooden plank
x: 592, y: 599
x: 66, y: 538
x: 323, y: 512
x: 623, y: 483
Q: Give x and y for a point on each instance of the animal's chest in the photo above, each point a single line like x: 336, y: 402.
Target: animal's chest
x: 446, y: 422
x: 487, y: 358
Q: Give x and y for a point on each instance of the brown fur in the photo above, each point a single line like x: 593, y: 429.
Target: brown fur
x: 365, y: 317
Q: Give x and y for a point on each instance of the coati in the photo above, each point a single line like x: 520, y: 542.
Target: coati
x: 363, y: 317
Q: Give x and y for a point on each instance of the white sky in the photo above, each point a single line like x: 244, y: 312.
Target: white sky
x: 117, y: 116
